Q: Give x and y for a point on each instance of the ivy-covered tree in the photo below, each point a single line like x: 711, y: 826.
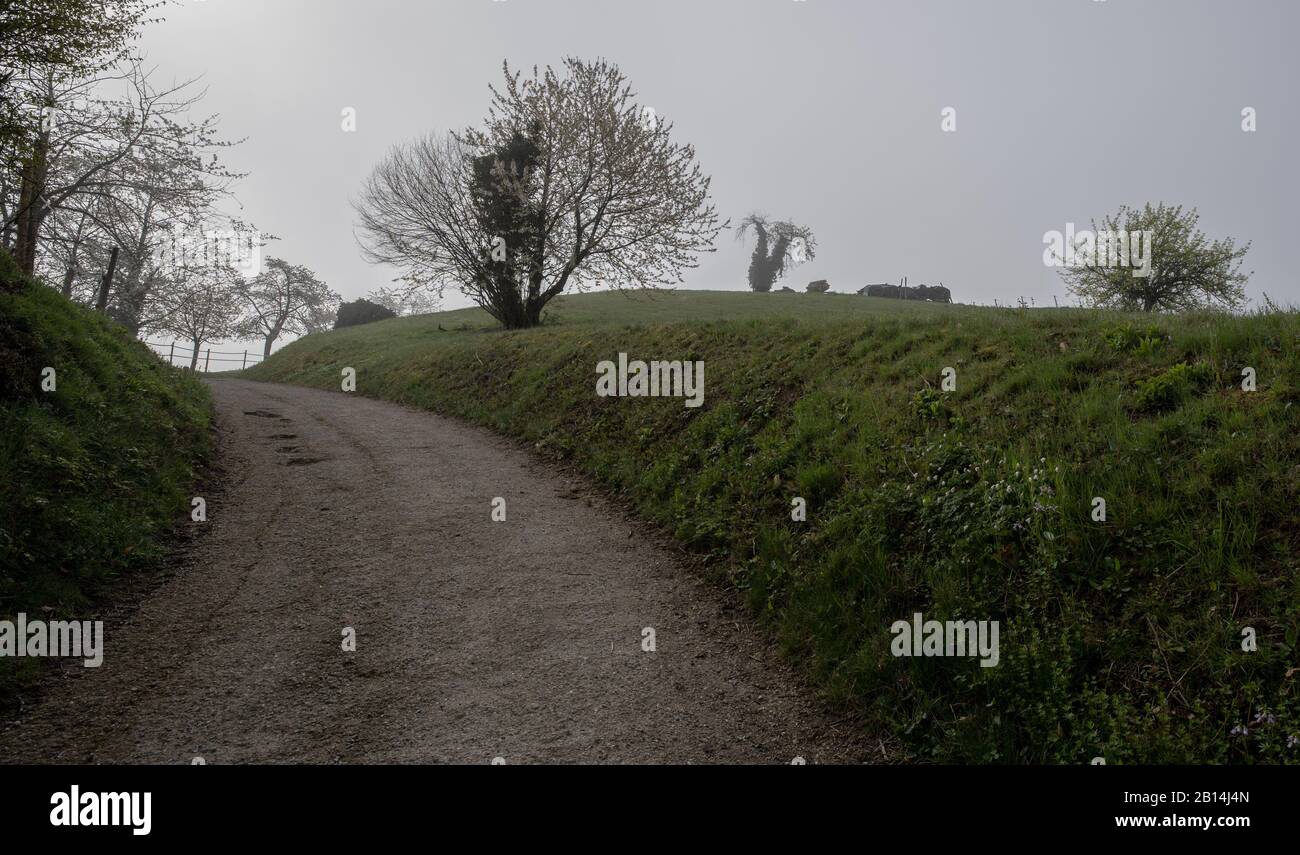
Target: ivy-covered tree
x: 505, y: 203
x: 778, y: 247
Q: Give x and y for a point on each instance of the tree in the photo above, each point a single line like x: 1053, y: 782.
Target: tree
x: 502, y: 190
x: 1181, y: 270
x: 205, y: 309
x: 75, y: 36
x: 360, y: 312
x: 568, y: 183
x: 62, y: 38
x: 286, y: 298
x: 404, y: 301
x: 136, y: 160
x: 778, y: 247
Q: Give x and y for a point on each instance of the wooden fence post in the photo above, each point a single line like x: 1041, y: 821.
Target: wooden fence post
x: 171, y: 354
x: 205, y: 360
x: 102, y: 303
x: 245, y: 365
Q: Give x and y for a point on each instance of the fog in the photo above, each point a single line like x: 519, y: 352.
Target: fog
x: 827, y: 113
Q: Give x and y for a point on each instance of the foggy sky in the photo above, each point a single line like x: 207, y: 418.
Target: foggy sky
x: 825, y: 111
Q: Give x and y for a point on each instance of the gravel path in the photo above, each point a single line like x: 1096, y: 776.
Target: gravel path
x: 475, y: 639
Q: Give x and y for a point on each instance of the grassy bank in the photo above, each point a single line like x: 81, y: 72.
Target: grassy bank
x: 93, y: 474
x: 1121, y: 639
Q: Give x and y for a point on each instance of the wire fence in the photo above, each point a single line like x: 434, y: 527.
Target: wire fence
x: 226, y: 360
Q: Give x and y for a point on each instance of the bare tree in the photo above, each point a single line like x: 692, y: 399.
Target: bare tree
x: 286, y: 298
x: 568, y: 183
x: 66, y: 252
x: 95, y: 149
x: 778, y: 247
x: 205, y: 308
x: 404, y: 301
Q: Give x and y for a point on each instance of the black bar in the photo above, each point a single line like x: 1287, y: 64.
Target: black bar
x: 925, y: 802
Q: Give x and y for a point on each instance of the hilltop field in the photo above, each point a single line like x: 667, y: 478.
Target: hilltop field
x: 1165, y: 633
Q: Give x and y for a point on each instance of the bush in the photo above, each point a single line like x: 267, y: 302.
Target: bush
x: 930, y: 403
x: 1125, y: 338
x: 360, y: 312
x: 1166, y: 391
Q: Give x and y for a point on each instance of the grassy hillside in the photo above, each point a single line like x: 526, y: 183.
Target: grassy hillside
x: 93, y: 474
x: 1120, y: 639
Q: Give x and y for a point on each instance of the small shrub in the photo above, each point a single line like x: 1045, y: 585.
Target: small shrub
x: 1126, y: 339
x: 1166, y: 391
x: 929, y: 404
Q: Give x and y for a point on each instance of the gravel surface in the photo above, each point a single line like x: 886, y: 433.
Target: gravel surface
x: 475, y: 639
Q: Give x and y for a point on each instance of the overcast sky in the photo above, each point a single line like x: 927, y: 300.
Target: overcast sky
x: 827, y: 112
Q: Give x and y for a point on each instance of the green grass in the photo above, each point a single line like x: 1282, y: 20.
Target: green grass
x: 662, y: 306
x: 94, y: 474
x: 1119, y: 639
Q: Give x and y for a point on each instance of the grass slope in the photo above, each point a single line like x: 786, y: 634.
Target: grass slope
x: 94, y: 474
x: 1121, y: 639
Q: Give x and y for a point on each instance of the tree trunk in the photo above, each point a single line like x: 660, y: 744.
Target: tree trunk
x: 758, y: 262
x: 774, y: 262
x: 71, y: 273
x: 101, y: 304
x: 194, y: 357
x: 533, y: 313
x: 31, y: 205
x: 24, y: 252
x: 7, y: 232
x: 512, y: 311
x: 134, y: 291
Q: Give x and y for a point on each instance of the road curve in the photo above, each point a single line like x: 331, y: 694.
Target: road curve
x: 475, y: 639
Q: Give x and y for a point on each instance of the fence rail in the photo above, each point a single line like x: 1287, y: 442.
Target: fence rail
x: 171, y: 352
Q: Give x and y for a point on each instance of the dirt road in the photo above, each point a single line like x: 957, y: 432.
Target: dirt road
x: 475, y: 639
